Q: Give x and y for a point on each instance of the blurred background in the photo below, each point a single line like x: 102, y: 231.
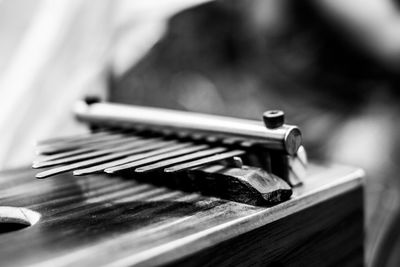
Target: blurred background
x: 332, y: 65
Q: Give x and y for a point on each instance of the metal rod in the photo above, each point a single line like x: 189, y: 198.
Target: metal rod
x: 53, y: 149
x: 156, y: 158
x: 100, y: 152
x: 61, y: 140
x: 103, y: 166
x: 94, y: 161
x: 286, y: 137
x: 85, y: 149
x: 184, y: 158
x: 204, y: 161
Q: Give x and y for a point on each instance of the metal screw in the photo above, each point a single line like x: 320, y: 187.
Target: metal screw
x: 91, y: 99
x: 274, y: 118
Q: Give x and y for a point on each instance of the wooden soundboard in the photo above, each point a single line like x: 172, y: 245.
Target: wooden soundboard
x: 103, y: 220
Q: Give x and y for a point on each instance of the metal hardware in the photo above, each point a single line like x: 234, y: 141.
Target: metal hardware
x: 286, y: 137
x: 274, y: 118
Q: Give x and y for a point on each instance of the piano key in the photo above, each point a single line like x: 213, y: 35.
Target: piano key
x: 204, y: 161
x: 129, y: 159
x: 90, y: 148
x: 93, y: 154
x: 184, y: 158
x: 94, y: 161
x: 156, y: 158
x: 50, y: 149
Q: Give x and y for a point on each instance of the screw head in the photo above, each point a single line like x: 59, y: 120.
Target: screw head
x: 91, y: 99
x: 274, y: 118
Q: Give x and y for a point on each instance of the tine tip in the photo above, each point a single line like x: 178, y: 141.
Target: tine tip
x: 110, y: 171
x: 40, y: 176
x: 77, y: 173
x: 35, y: 165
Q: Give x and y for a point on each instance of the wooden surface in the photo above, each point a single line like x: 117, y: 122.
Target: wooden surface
x: 327, y: 234
x: 103, y: 220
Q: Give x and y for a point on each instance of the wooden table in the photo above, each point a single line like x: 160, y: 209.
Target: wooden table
x: 112, y: 221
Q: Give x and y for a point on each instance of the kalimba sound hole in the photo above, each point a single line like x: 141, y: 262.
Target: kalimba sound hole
x: 16, y: 218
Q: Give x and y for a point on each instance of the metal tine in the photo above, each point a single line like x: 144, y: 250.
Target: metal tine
x: 50, y: 149
x: 106, y: 158
x: 231, y: 140
x: 197, y: 136
x: 72, y: 138
x: 91, y: 147
x: 182, y: 134
x: 204, y: 161
x: 78, y: 141
x: 247, y: 144
x: 129, y: 159
x: 184, y: 158
x: 119, y: 148
x: 212, y: 139
x: 156, y: 158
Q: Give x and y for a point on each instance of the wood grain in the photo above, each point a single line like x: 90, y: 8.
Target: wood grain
x: 313, y: 237
x: 108, y: 220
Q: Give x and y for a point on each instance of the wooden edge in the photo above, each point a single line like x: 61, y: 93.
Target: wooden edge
x: 181, y: 247
x: 191, y: 244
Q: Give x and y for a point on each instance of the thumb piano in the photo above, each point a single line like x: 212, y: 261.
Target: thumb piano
x: 153, y: 187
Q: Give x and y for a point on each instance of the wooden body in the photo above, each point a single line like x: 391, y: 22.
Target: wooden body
x: 105, y: 220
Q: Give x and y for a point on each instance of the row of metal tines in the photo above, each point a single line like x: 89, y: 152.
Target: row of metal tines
x: 114, y: 151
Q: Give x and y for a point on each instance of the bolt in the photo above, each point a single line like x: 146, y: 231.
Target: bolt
x: 274, y: 118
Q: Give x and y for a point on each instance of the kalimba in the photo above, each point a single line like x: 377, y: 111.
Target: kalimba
x: 155, y: 187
